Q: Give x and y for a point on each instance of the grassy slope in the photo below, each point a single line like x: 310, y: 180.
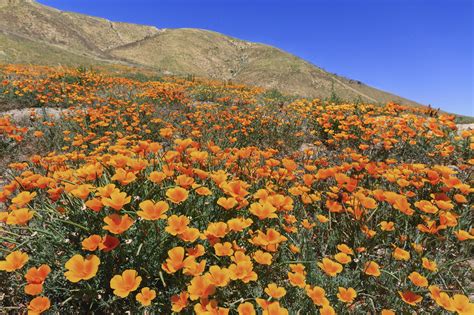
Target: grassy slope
x: 15, y: 49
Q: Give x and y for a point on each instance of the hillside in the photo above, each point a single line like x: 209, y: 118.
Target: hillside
x: 32, y: 33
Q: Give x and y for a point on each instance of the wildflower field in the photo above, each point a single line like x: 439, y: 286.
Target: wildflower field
x: 180, y: 195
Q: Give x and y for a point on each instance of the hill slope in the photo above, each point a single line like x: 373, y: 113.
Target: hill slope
x: 34, y: 33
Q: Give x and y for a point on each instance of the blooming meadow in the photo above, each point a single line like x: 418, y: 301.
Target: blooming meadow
x: 183, y: 195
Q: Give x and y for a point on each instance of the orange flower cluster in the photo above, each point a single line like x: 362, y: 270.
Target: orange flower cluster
x: 193, y: 196
x: 9, y: 131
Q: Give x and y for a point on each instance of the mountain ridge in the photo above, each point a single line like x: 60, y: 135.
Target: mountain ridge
x: 82, y: 39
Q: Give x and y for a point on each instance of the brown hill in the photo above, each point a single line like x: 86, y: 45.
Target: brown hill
x: 34, y: 33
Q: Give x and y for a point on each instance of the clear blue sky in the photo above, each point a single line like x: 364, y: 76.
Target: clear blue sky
x: 419, y: 49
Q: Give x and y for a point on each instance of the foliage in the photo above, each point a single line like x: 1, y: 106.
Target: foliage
x: 191, y: 196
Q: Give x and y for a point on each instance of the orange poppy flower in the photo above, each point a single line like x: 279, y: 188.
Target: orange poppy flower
x: 333, y: 206
x: 156, y: 177
x: 463, y: 235
x: 117, y: 224
x: 193, y: 267
x: 146, y: 296
x: 387, y: 226
x: 201, y: 287
x: 429, y: 264
x: 216, y: 230
x: 444, y: 205
x: 317, y: 295
x: 237, y: 189
x: 269, y: 240
x: 175, y: 260
x: 94, y: 204
x: 35, y: 278
x: 203, y: 191
x: 321, y: 218
x: 275, y: 291
x: 417, y: 247
x: 246, y: 308
x: 410, y: 297
x: 418, y: 280
x: 239, y: 224
x: 372, y: 269
x: 177, y: 194
x: 153, y: 211
x: 442, y: 298
x: 23, y: 198
x: 401, y: 254
x: 125, y: 283
x: 223, y: 249
x: 330, y: 267
x: 462, y: 305
x: 219, y: 276
x: 20, y: 216
x: 327, y: 310
x: 227, y: 203
x: 82, y: 191
x: 38, y: 305
x: 106, y: 191
x: 108, y: 243
x: 196, y: 251
x: 92, y: 242
x: 184, y: 181
x: 346, y: 295
x: 460, y: 198
x: 345, y: 249
x: 190, y: 235
x: 426, y: 206
x: 297, y: 279
x: 116, y: 200
x: 14, y: 261
x: 263, y: 210
x: 179, y: 302
x: 243, y: 270
x: 124, y: 177
x: 274, y: 308
x: 262, y: 258
x: 80, y: 268
x: 177, y: 225
x: 307, y: 224
x: 343, y: 258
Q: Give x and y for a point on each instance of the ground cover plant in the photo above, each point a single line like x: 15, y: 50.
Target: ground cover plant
x: 193, y: 196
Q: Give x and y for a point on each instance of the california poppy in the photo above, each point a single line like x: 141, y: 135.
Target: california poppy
x: 177, y: 194
x: 80, y: 268
x: 153, y: 211
x: 35, y: 278
x: 125, y: 283
x: 14, y: 261
x: 346, y: 295
x: 38, y: 305
x: 145, y: 296
x: 330, y: 267
x: 117, y: 224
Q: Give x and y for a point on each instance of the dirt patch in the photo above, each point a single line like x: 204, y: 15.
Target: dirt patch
x: 462, y: 127
x: 19, y: 115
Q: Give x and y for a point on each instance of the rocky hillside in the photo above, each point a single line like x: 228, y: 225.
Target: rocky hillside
x: 33, y: 33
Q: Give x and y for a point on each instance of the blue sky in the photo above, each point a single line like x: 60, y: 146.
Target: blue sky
x: 419, y: 49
